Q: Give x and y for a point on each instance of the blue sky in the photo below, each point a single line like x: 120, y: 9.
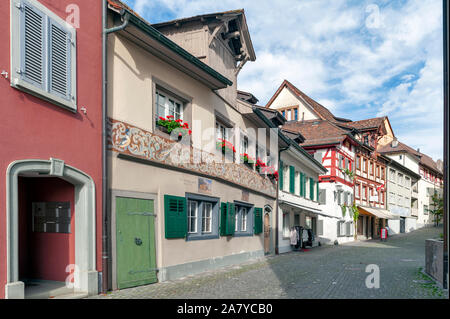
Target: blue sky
x: 360, y: 59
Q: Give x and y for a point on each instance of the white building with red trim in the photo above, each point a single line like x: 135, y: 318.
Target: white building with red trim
x: 331, y: 145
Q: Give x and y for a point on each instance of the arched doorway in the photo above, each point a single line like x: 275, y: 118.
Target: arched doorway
x: 85, y: 276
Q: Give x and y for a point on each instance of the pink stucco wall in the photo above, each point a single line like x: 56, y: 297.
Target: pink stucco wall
x: 31, y: 128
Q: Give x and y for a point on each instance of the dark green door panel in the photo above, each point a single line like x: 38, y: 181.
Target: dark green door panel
x: 135, y: 233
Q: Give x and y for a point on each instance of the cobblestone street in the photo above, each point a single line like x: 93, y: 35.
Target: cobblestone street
x: 322, y: 272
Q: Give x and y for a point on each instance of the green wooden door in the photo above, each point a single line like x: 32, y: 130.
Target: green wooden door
x: 135, y: 233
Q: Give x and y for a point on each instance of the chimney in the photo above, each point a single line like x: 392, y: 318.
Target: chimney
x: 418, y: 150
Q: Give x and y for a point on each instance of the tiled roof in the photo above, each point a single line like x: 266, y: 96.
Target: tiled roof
x: 429, y: 162
x: 320, y: 110
x: 247, y: 96
x: 120, y: 5
x: 401, y: 147
x: 317, y: 132
x: 197, y: 17
x: 366, y: 124
x: 293, y: 135
x: 423, y: 158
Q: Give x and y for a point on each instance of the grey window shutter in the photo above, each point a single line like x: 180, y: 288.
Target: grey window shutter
x: 320, y: 228
x: 348, y: 228
x: 60, y: 60
x: 323, y: 196
x: 33, y: 62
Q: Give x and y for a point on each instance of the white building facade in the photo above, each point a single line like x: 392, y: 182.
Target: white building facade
x: 430, y: 181
x: 299, y: 197
x: 402, y: 198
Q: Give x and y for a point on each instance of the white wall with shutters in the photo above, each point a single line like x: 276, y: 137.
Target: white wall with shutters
x: 322, y: 196
x: 43, y: 53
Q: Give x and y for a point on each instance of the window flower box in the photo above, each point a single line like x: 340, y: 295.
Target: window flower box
x: 247, y: 160
x: 270, y: 171
x: 225, y: 146
x: 273, y: 175
x: 169, y: 124
x: 260, y: 166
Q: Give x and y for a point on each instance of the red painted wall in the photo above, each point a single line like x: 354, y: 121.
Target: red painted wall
x: 45, y: 255
x: 31, y: 128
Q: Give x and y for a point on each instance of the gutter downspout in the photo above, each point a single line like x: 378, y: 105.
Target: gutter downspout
x: 277, y: 212
x: 446, y: 12
x: 105, y: 197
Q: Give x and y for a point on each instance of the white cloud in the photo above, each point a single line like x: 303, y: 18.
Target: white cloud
x: 332, y: 52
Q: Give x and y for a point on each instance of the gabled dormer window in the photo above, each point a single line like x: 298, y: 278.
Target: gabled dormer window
x: 43, y: 53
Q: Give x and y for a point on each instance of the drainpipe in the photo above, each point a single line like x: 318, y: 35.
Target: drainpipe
x: 105, y: 197
x: 277, y: 212
x: 446, y: 12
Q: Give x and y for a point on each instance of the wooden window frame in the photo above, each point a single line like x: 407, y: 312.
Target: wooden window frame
x: 250, y: 209
x: 215, y: 217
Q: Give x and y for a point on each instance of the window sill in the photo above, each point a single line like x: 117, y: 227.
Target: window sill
x: 243, y: 234
x: 191, y: 237
x: 51, y: 98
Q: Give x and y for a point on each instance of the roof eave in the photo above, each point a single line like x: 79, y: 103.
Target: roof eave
x: 177, y: 56
x: 287, y: 139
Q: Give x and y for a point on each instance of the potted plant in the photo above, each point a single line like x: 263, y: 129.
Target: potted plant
x: 225, y: 146
x: 260, y: 166
x: 271, y: 172
x: 247, y: 160
x: 348, y: 173
x: 169, y: 124
x: 344, y: 209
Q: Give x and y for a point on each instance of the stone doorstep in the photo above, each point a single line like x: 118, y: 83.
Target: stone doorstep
x: 72, y: 296
x: 44, y: 289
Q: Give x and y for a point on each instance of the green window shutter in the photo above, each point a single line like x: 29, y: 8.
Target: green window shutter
x: 311, y: 188
x: 231, y: 220
x: 280, y: 175
x: 304, y: 185
x: 227, y: 219
x: 223, y: 218
x: 292, y: 179
x: 175, y: 216
x: 301, y: 184
x: 258, y: 221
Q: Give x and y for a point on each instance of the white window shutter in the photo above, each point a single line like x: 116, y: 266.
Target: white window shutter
x: 33, y: 62
x: 60, y: 60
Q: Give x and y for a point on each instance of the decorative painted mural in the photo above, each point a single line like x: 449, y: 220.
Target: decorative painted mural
x: 127, y: 139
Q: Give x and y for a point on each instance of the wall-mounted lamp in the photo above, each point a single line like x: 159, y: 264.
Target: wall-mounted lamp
x: 5, y: 74
x: 84, y: 110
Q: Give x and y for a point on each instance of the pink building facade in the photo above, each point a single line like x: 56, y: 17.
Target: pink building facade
x: 51, y: 145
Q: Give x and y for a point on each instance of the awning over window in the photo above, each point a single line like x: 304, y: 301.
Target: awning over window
x: 306, y: 209
x: 377, y: 212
